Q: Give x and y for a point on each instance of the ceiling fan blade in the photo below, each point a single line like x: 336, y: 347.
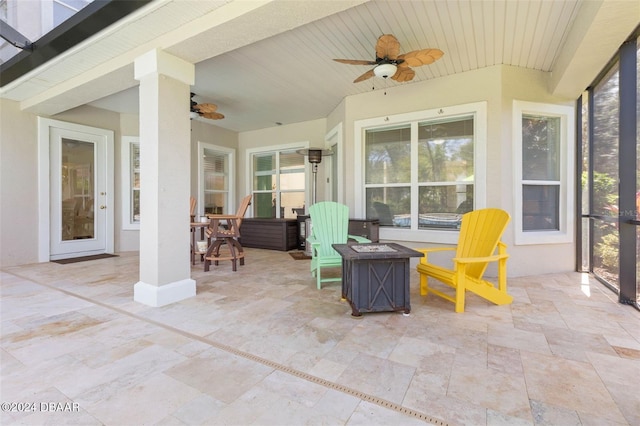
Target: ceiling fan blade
x: 355, y: 61
x: 387, y: 47
x: 403, y: 74
x: 204, y: 108
x: 212, y: 115
x: 367, y: 75
x: 417, y: 58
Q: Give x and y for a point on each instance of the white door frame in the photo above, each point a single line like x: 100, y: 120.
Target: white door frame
x: 44, y: 197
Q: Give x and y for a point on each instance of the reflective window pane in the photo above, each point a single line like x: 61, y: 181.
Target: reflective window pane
x: 540, y: 147
x: 445, y: 151
x: 264, y: 171
x: 134, y: 156
x: 215, y: 169
x: 290, y: 202
x: 292, y: 172
x: 390, y: 205
x: 540, y: 207
x: 442, y: 206
x: 442, y: 173
x: 77, y: 190
x: 388, y: 156
x: 279, y: 184
x: 264, y: 204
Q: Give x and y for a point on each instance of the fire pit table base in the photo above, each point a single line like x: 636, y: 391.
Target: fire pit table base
x: 375, y: 277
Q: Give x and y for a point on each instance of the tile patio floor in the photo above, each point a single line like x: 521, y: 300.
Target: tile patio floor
x: 262, y: 346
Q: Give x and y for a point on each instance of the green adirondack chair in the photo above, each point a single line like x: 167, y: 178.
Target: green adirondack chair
x: 329, y: 225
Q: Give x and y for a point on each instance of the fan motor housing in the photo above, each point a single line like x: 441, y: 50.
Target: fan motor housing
x: 385, y: 70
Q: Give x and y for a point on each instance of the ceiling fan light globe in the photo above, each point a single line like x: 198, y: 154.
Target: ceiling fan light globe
x: 385, y: 70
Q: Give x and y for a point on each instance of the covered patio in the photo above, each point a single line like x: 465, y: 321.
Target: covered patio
x: 263, y: 346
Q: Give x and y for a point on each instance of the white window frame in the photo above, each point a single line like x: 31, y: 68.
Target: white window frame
x: 566, y: 181
x: 479, y: 112
x: 333, y: 167
x: 272, y: 149
x: 231, y: 156
x: 127, y: 208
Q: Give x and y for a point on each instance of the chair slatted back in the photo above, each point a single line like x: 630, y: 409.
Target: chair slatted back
x: 330, y: 225
x: 242, y: 209
x: 480, y: 233
x: 192, y: 207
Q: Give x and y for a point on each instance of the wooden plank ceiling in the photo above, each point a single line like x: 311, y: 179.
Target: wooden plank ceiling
x: 284, y: 72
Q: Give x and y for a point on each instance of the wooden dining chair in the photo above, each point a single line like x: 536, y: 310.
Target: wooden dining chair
x: 225, y: 230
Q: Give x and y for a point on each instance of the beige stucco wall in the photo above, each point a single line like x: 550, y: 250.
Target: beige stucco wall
x: 498, y: 86
x: 18, y: 185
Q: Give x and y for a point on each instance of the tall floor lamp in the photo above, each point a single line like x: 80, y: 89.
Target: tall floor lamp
x: 315, y: 157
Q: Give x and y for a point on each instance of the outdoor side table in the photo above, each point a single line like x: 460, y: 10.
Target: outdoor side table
x: 375, y: 277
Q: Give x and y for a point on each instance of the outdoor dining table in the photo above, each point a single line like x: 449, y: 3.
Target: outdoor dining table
x: 195, y: 250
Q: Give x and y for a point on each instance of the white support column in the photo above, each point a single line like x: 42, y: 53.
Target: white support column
x: 165, y: 151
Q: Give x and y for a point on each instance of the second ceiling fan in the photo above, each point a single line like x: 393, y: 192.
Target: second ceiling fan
x: 390, y: 63
x: 205, y: 110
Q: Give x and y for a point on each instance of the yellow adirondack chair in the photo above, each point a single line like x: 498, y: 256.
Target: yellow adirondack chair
x: 330, y: 225
x: 480, y: 234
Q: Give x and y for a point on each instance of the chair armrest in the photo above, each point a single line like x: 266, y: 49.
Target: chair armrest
x: 426, y: 251
x: 359, y: 239
x: 480, y: 259
x: 434, y: 249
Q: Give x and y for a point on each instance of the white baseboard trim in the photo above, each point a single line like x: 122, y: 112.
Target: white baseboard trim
x: 156, y: 296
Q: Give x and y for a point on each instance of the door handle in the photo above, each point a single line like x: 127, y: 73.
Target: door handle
x: 103, y: 207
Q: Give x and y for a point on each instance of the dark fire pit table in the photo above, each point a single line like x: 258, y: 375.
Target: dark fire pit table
x: 375, y: 277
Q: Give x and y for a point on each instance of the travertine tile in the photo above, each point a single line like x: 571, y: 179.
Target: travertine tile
x: 379, y: 377
x: 147, y: 401
x: 504, y: 393
x: 550, y: 415
x: 568, y: 384
x: 263, y: 346
x: 219, y: 374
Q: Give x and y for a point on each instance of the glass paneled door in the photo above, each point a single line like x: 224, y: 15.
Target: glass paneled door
x: 78, y: 204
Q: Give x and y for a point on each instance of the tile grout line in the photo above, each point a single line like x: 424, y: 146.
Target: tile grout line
x: 276, y: 366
